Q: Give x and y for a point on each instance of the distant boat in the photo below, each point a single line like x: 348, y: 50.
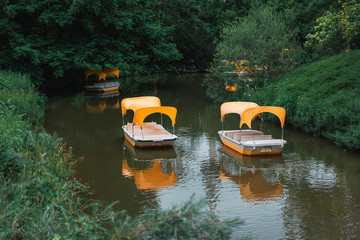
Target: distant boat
x: 103, y: 87
x: 251, y: 142
x: 147, y: 134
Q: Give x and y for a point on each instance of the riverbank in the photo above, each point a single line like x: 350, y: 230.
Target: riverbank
x: 40, y: 198
x: 321, y: 98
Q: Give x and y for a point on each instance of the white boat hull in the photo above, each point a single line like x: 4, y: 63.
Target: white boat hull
x: 151, y: 135
x: 251, y: 142
x: 103, y: 87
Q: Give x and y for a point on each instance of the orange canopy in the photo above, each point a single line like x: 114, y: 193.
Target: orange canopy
x: 249, y: 114
x: 101, y: 74
x: 235, y: 107
x: 135, y: 103
x: 111, y: 71
x: 142, y: 113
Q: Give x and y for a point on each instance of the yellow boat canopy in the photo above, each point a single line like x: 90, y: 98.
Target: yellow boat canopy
x: 235, y: 107
x: 102, y: 74
x: 135, y: 103
x: 111, y: 71
x: 142, y: 113
x: 249, y: 114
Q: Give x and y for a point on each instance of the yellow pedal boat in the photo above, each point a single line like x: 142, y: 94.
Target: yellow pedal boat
x: 251, y: 142
x: 147, y: 134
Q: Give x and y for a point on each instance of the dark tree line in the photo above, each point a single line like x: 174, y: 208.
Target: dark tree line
x: 53, y: 39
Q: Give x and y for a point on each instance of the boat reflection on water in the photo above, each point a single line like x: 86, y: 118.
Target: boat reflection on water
x: 257, y: 176
x: 152, y: 169
x: 99, y: 102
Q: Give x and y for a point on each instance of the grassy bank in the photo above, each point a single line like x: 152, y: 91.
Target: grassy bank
x: 322, y: 98
x: 40, y: 198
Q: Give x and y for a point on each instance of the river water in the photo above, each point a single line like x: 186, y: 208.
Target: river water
x: 310, y: 191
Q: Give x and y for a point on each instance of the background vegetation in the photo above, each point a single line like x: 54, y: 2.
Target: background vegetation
x: 322, y: 98
x: 244, y: 54
x: 265, y: 57
x: 56, y: 41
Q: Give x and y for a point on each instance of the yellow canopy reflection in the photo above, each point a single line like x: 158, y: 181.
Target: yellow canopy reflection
x: 152, y: 175
x: 152, y: 178
x: 101, y: 107
x: 253, y: 187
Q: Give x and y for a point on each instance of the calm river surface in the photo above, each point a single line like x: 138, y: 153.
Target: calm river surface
x: 311, y: 191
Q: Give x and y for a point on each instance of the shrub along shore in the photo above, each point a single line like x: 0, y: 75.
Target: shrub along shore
x: 40, y: 198
x: 321, y: 98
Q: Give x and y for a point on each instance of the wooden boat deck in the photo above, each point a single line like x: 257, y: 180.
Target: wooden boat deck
x: 252, y: 138
x: 252, y: 142
x: 150, y: 131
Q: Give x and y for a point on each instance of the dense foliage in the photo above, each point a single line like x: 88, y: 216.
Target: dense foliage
x: 49, y: 39
x: 55, y: 41
x: 40, y: 198
x: 244, y: 53
x: 192, y: 34
x: 337, y: 29
x: 321, y: 98
x: 196, y: 25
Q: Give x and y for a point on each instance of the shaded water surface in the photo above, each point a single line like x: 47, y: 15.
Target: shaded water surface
x: 311, y: 191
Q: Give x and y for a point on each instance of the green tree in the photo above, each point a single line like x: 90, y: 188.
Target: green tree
x: 336, y: 30
x: 259, y: 45
x: 262, y: 38
x: 192, y: 35
x: 197, y: 25
x: 306, y: 12
x: 52, y: 38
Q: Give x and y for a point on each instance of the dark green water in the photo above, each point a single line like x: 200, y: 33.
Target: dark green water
x: 311, y: 191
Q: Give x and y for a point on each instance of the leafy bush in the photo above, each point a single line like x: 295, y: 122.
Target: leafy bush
x: 19, y: 94
x: 257, y: 46
x: 12, y: 136
x: 322, y: 98
x: 262, y: 38
x: 20, y: 106
x: 336, y: 30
